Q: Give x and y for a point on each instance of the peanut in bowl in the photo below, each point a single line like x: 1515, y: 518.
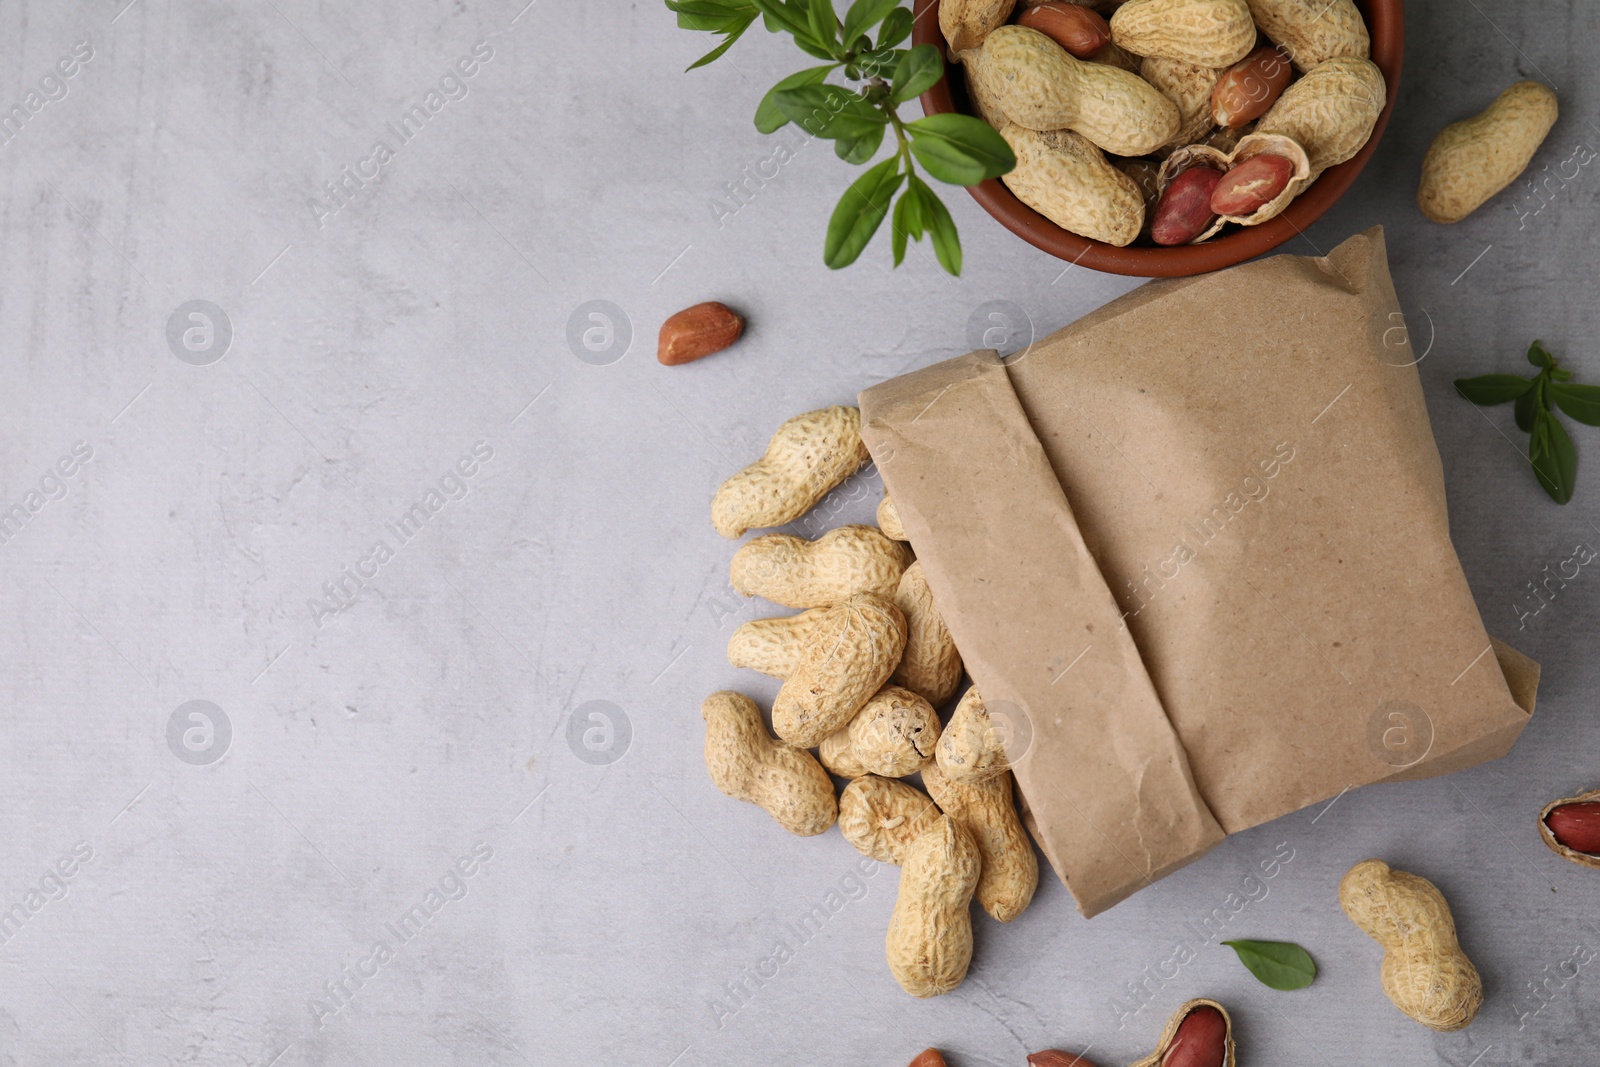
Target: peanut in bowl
x: 1141, y: 257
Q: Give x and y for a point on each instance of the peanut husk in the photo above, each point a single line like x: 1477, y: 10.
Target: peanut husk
x: 1585, y: 859
x: 1176, y: 1020
x: 1248, y: 147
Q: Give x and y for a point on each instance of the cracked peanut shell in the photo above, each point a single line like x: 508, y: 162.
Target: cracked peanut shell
x: 893, y: 735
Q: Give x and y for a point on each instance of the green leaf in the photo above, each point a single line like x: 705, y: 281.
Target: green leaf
x: 824, y: 23
x: 1278, y: 964
x: 860, y: 212
x: 828, y: 111
x: 879, y: 62
x: 1527, y: 404
x: 1540, y: 356
x: 727, y: 43
x: 1554, y: 460
x: 782, y: 15
x: 1581, y: 402
x: 960, y: 149
x: 712, y: 15
x: 941, y: 227
x: 864, y: 14
x: 859, y: 150
x: 1489, y: 389
x: 917, y: 72
x: 896, y: 27
x: 907, y: 223
x: 768, y: 118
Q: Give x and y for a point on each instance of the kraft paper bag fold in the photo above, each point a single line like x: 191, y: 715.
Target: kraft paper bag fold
x: 1195, y: 552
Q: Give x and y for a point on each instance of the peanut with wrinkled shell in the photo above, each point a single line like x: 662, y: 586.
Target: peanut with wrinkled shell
x: 1313, y: 31
x: 1188, y: 86
x: 889, y: 520
x: 929, y: 943
x: 1424, y: 971
x: 983, y: 90
x: 1065, y: 178
x: 808, y: 456
x: 772, y: 646
x: 849, y: 653
x: 1472, y: 160
x: 1207, y: 33
x: 1198, y: 1034
x: 1330, y: 112
x: 1040, y: 87
x: 965, y: 23
x: 797, y: 573
x: 969, y: 749
x: 987, y: 811
x: 931, y: 665
x: 882, y: 816
x: 746, y: 763
x: 892, y: 735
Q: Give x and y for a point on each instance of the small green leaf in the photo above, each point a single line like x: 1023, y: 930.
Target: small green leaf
x: 768, y: 118
x: 1540, y: 356
x: 960, y: 149
x: 907, y: 223
x: 1488, y: 389
x: 860, y: 213
x: 1581, y: 402
x: 1561, y: 374
x: 727, y: 43
x: 879, y: 62
x: 1553, y: 457
x: 917, y: 72
x: 828, y: 111
x: 1527, y: 404
x: 859, y: 150
x: 940, y: 226
x: 896, y: 27
x: 1278, y: 964
x: 864, y: 14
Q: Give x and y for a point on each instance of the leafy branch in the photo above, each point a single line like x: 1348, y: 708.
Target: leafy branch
x: 1550, y: 449
x: 956, y: 149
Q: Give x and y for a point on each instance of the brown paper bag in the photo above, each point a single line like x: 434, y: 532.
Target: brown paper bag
x: 1194, y: 550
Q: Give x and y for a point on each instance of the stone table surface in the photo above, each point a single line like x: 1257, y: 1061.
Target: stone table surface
x: 490, y: 737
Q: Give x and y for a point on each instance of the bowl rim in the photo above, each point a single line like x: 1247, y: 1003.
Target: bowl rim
x: 1385, y: 26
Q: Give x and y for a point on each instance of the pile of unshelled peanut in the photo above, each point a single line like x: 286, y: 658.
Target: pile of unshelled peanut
x: 865, y: 666
x: 1172, y: 118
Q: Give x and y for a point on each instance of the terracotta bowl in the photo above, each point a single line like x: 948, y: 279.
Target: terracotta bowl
x: 1385, y: 24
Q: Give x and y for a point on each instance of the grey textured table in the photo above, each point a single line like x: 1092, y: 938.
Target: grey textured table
x: 411, y: 752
